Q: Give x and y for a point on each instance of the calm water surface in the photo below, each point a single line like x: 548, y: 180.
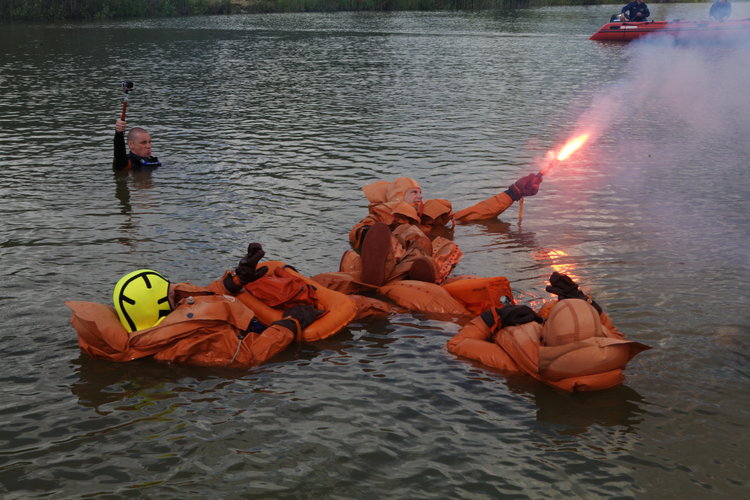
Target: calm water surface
x: 268, y: 126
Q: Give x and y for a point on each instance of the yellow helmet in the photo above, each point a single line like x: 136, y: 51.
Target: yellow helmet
x: 141, y: 299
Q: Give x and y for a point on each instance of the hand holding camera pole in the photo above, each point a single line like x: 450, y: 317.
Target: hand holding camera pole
x: 127, y: 86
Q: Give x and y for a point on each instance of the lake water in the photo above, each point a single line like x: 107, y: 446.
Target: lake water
x: 268, y: 125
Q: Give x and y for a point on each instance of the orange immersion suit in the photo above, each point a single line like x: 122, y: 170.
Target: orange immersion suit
x: 414, y: 233
x: 387, y: 206
x: 576, y: 349
x: 208, y: 327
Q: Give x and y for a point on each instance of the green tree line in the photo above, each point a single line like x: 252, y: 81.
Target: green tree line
x: 399, y: 5
x: 73, y: 10
x: 59, y: 10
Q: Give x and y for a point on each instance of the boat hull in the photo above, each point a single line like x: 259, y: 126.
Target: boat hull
x: 684, y: 30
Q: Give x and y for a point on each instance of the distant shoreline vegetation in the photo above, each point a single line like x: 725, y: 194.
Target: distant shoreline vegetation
x: 92, y: 10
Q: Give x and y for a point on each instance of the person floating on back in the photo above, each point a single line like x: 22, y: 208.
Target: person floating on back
x: 400, y: 236
x: 570, y: 344
x: 186, y: 323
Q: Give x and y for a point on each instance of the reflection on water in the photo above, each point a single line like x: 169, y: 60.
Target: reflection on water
x: 122, y: 192
x: 269, y: 126
x: 101, y: 383
x: 621, y: 407
x: 557, y: 261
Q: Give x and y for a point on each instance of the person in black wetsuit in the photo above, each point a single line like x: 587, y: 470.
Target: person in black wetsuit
x: 635, y: 11
x: 720, y: 10
x: 139, y: 159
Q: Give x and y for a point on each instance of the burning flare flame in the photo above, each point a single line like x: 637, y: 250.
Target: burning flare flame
x: 571, y: 147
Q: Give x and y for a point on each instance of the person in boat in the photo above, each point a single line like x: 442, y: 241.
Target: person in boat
x: 139, y: 159
x: 400, y: 237
x: 186, y: 323
x: 570, y: 344
x: 720, y: 10
x: 635, y: 11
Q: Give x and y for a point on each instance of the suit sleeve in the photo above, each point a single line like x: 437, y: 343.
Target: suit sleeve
x: 120, y: 161
x: 260, y: 347
x: 474, y: 341
x: 486, y: 209
x: 255, y: 348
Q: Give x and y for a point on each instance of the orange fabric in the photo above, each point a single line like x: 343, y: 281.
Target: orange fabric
x: 445, y: 255
x: 386, y: 206
x: 345, y: 282
x: 402, y: 212
x: 384, y: 191
x: 486, y: 209
x: 470, y: 295
x: 571, y: 320
x: 593, y: 363
x: 586, y: 357
x: 206, y: 327
x: 474, y: 342
x: 420, y: 296
x: 370, y: 307
x: 437, y: 208
x: 350, y: 262
x: 377, y: 192
x: 409, y: 236
x: 202, y: 331
x: 341, y: 309
x: 479, y: 294
x: 390, y: 214
x: 605, y: 320
x: 281, y: 289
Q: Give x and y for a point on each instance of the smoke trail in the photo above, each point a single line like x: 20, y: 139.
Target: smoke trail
x: 673, y: 143
x: 702, y: 89
x: 703, y: 86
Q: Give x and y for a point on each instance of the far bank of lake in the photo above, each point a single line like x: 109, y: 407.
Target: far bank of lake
x: 98, y: 10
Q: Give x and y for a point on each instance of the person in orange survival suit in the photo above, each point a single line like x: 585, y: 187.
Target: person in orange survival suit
x: 185, y: 323
x: 575, y: 348
x: 398, y: 238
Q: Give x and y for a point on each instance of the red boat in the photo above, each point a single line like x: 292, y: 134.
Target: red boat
x: 734, y: 30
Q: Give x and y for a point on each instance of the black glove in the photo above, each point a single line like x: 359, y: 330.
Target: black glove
x: 510, y: 315
x: 565, y: 288
x: 304, y: 314
x: 525, y: 186
x: 518, y: 315
x: 246, y: 270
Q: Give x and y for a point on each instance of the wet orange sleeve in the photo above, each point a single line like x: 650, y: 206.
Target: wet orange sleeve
x: 260, y: 347
x: 218, y: 287
x: 486, y: 209
x: 219, y: 345
x: 474, y: 342
x: 521, y: 343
